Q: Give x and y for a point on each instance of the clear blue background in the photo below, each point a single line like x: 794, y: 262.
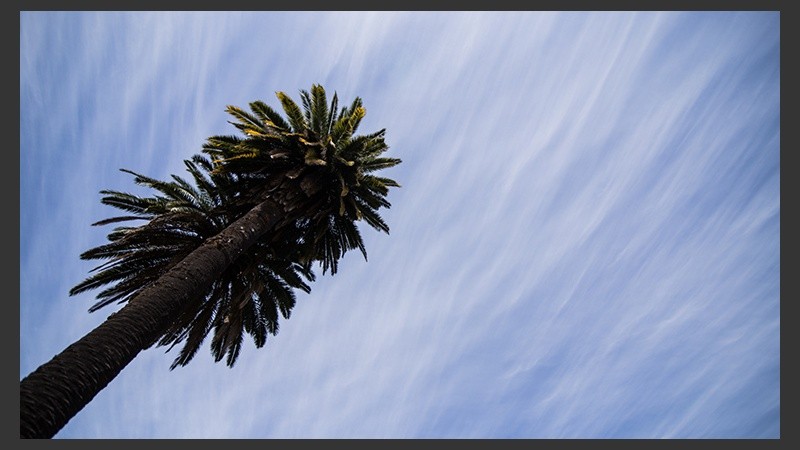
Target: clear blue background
x: 586, y: 243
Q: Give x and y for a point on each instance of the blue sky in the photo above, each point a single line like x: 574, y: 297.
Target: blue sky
x: 586, y: 243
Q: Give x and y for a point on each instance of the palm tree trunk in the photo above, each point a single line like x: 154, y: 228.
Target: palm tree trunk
x: 52, y: 394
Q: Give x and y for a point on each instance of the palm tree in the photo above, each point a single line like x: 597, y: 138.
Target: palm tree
x: 298, y: 185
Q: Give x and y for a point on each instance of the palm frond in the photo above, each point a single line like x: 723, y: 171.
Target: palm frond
x: 269, y: 116
x: 293, y: 112
x: 247, y: 122
x: 318, y: 110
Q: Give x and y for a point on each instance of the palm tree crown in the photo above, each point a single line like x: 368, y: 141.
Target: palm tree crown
x: 314, y: 164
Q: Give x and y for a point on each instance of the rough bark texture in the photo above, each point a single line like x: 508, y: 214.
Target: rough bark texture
x: 52, y: 394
